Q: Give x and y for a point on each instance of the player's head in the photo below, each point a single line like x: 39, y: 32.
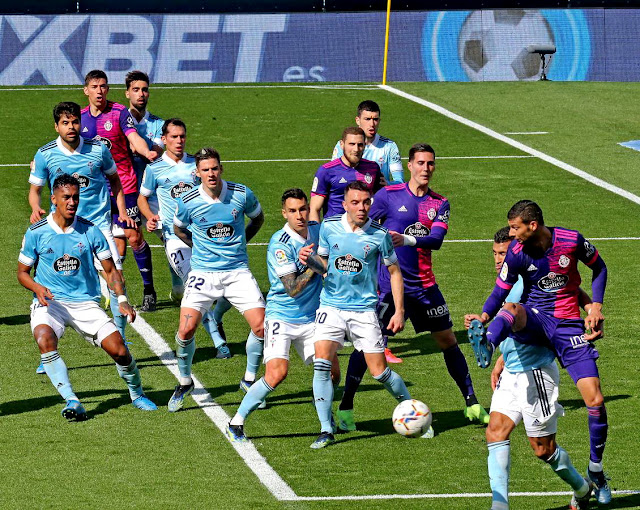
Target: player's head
x: 295, y: 209
x: 501, y: 240
x: 137, y: 83
x: 96, y: 87
x: 65, y: 195
x: 525, y: 219
x: 368, y: 117
x: 357, y: 202
x: 209, y: 168
x: 352, y: 144
x: 174, y: 136
x: 66, y: 116
x: 422, y: 163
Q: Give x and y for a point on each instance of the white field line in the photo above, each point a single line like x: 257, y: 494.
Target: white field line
x: 514, y: 143
x: 183, y: 87
x: 527, y: 133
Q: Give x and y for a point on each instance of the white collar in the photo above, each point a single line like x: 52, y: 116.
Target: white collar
x: 205, y: 196
x: 56, y: 228
x: 171, y: 161
x: 145, y: 117
x: 66, y: 151
x: 374, y: 142
x: 358, y: 230
x: 295, y: 235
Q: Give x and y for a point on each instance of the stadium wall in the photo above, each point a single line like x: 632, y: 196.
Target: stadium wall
x: 482, y: 45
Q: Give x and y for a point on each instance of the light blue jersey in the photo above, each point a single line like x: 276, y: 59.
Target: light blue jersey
x: 352, y: 272
x: 64, y: 260
x: 150, y: 130
x: 169, y: 180
x: 522, y: 357
x: 282, y: 259
x: 384, y: 152
x: 90, y: 163
x: 217, y: 226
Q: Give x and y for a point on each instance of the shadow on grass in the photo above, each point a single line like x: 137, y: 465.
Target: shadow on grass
x: 15, y: 320
x: 621, y: 501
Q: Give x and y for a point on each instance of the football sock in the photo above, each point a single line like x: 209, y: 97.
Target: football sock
x: 210, y: 324
x: 458, y: 369
x: 323, y: 393
x: 119, y: 319
x: 184, y: 352
x: 394, y: 384
x: 222, y: 307
x: 499, y: 463
x: 254, y: 397
x: 56, y: 370
x: 145, y: 264
x: 131, y: 375
x: 255, y: 346
x: 500, y: 327
x: 561, y: 464
x: 355, y: 372
x: 598, y: 428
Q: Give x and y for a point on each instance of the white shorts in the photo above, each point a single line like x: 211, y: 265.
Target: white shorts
x: 532, y: 397
x: 361, y: 328
x: 179, y: 256
x: 87, y: 318
x: 241, y: 289
x: 280, y: 335
x: 117, y: 231
x: 115, y: 255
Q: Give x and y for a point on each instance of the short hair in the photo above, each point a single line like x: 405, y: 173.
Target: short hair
x: 95, y: 74
x: 136, y: 76
x: 66, y: 108
x: 503, y: 236
x: 206, y: 153
x: 527, y: 211
x: 174, y: 121
x: 352, y: 130
x: 367, y: 106
x: 420, y: 147
x: 65, y: 180
x: 357, y: 186
x: 296, y: 193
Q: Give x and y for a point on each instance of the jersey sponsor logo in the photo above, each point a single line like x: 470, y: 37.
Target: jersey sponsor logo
x: 417, y: 229
x: 532, y: 268
x: 108, y: 126
x: 437, y: 311
x: 578, y: 342
x: 444, y: 217
x: 281, y: 257
x: 82, y: 179
x: 563, y: 261
x: 66, y: 265
x: 85, y: 130
x: 342, y: 180
x: 504, y: 271
x: 50, y: 250
x: 348, y: 264
x: 553, y: 282
x: 431, y: 213
x: 402, y: 209
x: 104, y: 140
x: 180, y: 188
x: 589, y: 249
x: 220, y: 231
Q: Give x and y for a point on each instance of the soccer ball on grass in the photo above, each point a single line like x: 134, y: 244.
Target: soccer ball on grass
x: 411, y: 418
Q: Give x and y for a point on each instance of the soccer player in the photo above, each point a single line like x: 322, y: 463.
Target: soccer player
x: 377, y: 148
x: 67, y: 293
x: 292, y: 302
x: 171, y: 176
x: 112, y: 124
x: 547, y: 259
x: 525, y: 382
x: 417, y: 219
x: 91, y: 163
x: 348, y: 249
x: 210, y: 219
x: 331, y: 179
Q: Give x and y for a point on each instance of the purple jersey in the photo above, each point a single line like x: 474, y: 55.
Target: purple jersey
x: 424, y: 218
x: 332, y: 178
x: 551, y: 281
x: 112, y: 127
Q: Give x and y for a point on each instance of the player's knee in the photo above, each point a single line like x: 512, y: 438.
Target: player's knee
x: 135, y: 238
x: 544, y: 451
x: 512, y: 308
x: 276, y: 375
x: 186, y: 332
x: 46, y: 341
x: 258, y: 331
x: 594, y: 400
x: 496, y: 432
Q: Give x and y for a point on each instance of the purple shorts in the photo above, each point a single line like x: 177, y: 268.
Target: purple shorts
x: 565, y: 336
x: 426, y: 309
x: 131, y: 202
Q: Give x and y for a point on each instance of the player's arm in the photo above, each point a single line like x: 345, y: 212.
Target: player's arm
x: 585, y: 303
x: 140, y: 147
x: 115, y: 281
x: 315, y: 207
x: 26, y: 280
x: 588, y: 254
x: 381, y: 182
x: 495, y: 373
x: 295, y: 283
x: 396, y: 171
x: 313, y: 261
x: 143, y: 206
x: 118, y: 192
x: 184, y: 234
x: 397, y: 290
x: 434, y: 240
x: 254, y: 226
x: 35, y: 200
x: 37, y: 179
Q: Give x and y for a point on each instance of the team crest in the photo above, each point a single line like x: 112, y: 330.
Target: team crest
x: 431, y: 213
x: 81, y: 247
x: 366, y: 248
x: 108, y: 126
x: 281, y: 257
x: 368, y: 179
x: 234, y: 213
x: 563, y: 261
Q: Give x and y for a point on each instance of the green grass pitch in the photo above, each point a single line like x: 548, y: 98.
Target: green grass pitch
x: 122, y: 457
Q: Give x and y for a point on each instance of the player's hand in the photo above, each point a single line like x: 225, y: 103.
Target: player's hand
x: 397, y: 238
x: 304, y: 253
x: 484, y: 318
x: 37, y: 214
x: 152, y: 155
x: 396, y: 324
x: 152, y: 223
x: 127, y: 310
x: 593, y: 321
x: 128, y: 221
x: 42, y: 293
x: 495, y: 373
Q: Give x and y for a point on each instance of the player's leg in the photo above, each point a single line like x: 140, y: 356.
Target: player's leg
x: 255, y: 343
x: 118, y: 258
x: 499, y: 459
x: 222, y: 307
x: 325, y: 352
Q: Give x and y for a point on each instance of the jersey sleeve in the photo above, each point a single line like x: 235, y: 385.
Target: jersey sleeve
x: 323, y: 243
x: 126, y: 122
x: 282, y: 259
x: 442, y: 218
x: 321, y: 185
x: 252, y: 207
x: 181, y: 217
x: 515, y: 295
x: 99, y: 244
x: 507, y: 278
x: 439, y: 229
x: 586, y: 252
x: 157, y: 135
x: 39, y: 171
x: 395, y: 164
x: 28, y: 252
x: 337, y: 151
x: 149, y: 183
x: 379, y: 205
x: 387, y: 252
x: 108, y: 164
